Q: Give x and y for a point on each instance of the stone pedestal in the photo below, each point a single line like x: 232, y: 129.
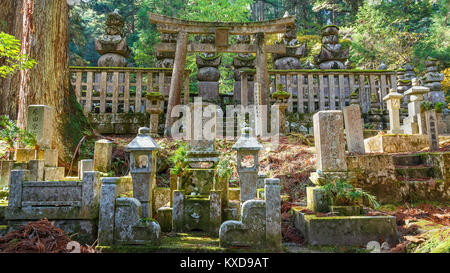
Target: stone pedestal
x: 36, y: 168
x: 54, y: 173
x: 393, y: 105
x: 354, y: 129
x: 209, y: 91
x: 103, y: 155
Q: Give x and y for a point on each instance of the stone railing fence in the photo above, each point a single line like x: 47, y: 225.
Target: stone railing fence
x: 316, y: 90
x: 120, y: 90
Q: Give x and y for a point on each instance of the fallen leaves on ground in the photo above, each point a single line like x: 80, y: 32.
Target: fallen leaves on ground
x: 40, y: 237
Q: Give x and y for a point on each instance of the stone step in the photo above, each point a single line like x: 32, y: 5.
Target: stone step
x: 415, y: 171
x: 407, y: 160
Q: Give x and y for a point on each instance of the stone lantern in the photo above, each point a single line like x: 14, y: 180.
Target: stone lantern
x: 154, y: 109
x: 248, y: 175
x: 143, y: 151
x: 393, y: 100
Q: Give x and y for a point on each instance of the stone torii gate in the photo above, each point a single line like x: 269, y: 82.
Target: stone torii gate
x: 183, y: 29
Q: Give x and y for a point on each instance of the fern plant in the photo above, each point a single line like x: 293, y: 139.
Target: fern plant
x: 11, y: 134
x: 225, y: 167
x: 179, y: 160
x: 342, y: 193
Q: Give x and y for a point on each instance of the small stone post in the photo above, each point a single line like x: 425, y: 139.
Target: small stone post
x: 215, y: 215
x: 393, y: 105
x: 15, y: 187
x: 354, y: 129
x: 177, y: 212
x: 106, y: 214
x: 85, y: 165
x: 247, y: 145
x: 273, y: 212
x: 430, y: 117
x: 102, y: 155
x: 329, y: 141
x: 5, y: 172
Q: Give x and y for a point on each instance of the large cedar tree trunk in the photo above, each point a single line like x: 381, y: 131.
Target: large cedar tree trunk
x: 43, y: 33
x: 10, y: 23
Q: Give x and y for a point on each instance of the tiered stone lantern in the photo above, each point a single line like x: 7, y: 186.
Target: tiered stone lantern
x: 113, y: 44
x: 248, y: 175
x: 415, y: 122
x: 281, y: 101
x: 393, y: 105
x: 143, y: 154
x: 332, y: 55
x: 154, y: 109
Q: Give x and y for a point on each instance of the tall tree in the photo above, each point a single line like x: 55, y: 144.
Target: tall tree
x: 44, y: 37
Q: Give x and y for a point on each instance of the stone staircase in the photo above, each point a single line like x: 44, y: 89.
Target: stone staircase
x: 419, y: 176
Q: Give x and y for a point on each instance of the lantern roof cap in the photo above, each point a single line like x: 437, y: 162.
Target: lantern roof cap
x: 142, y: 142
x: 247, y: 141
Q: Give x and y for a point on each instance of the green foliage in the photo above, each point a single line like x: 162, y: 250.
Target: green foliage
x: 439, y: 107
x: 179, y: 160
x: 225, y: 166
x: 10, y: 56
x: 11, y: 134
x: 426, y: 106
x: 343, y: 193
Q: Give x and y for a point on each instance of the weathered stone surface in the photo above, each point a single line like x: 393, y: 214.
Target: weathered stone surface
x: 260, y: 183
x: 287, y: 63
x: 40, y: 123
x: 161, y: 198
x: 431, y: 122
x: 393, y: 105
x: 85, y: 165
x: 5, y: 172
x: 50, y: 157
x: 215, y: 212
x: 329, y: 141
x: 102, y: 155
x: 22, y: 155
x: 112, y: 60
x: 234, y: 193
x: 395, y: 143
x: 250, y: 231
x: 165, y: 219
x: 208, y: 90
x: 178, y: 209
x: 130, y: 228
x: 354, y: 129
x: 54, y: 173
x: 120, y: 123
x: 346, y: 230
x: 317, y: 200
x: 273, y: 213
x: 36, y: 168
x: 107, y: 211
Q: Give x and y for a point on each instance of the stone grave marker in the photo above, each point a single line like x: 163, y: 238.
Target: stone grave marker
x: 40, y: 123
x: 430, y: 117
x: 354, y: 129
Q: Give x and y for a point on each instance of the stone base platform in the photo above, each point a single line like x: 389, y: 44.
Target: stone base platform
x: 345, y: 230
x: 395, y: 143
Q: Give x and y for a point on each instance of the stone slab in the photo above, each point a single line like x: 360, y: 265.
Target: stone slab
x: 329, y: 141
x: 54, y: 173
x: 354, y: 129
x: 397, y: 143
x: 40, y: 123
x: 346, y: 230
